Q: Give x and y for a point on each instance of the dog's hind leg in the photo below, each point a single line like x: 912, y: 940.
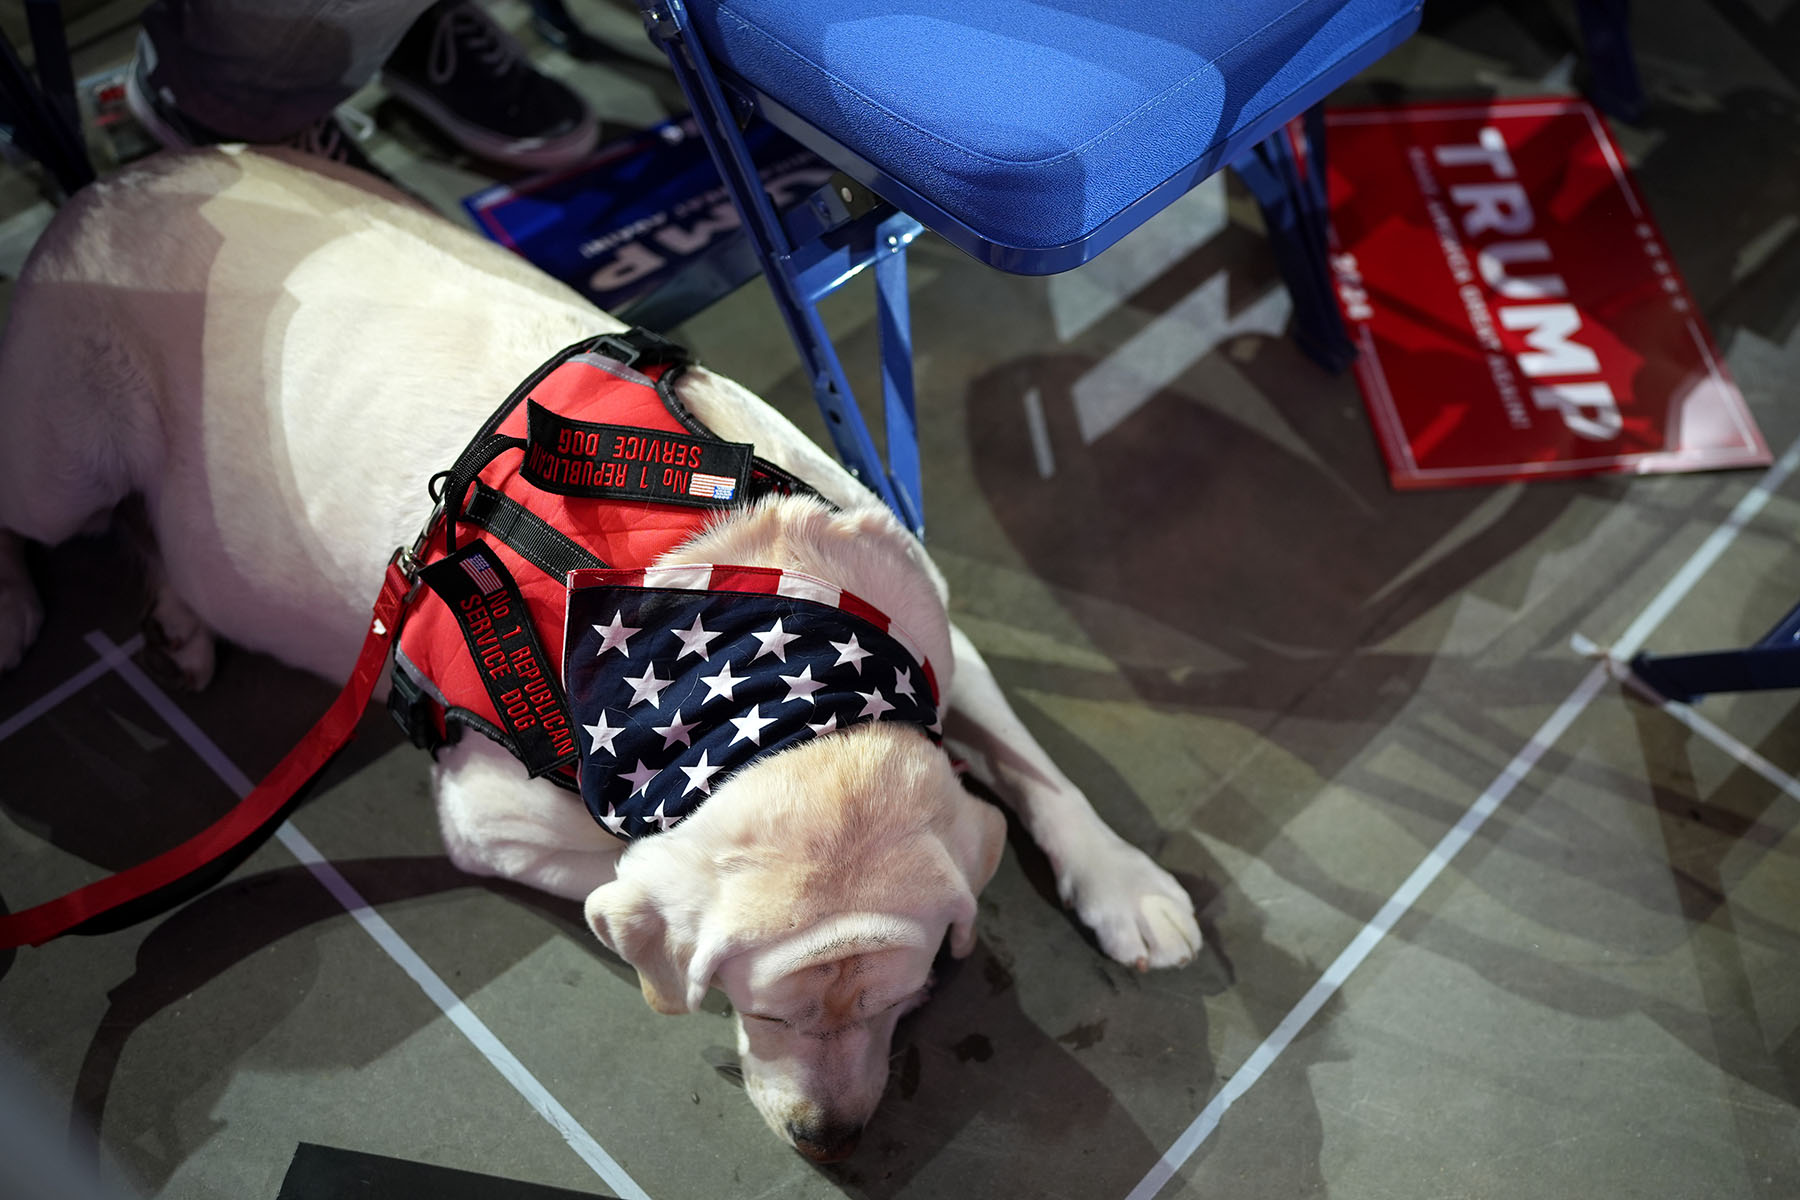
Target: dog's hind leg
x: 45, y: 494
x: 1139, y: 913
x: 178, y: 645
x: 21, y: 613
x: 77, y: 427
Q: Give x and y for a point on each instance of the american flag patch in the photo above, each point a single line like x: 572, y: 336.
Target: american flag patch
x: 715, y: 487
x: 483, y: 575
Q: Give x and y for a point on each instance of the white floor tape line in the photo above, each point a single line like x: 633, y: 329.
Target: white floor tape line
x: 1684, y: 713
x: 377, y: 927
x: 63, y: 691
x: 1371, y: 935
x: 1730, y: 745
x: 1451, y: 843
x: 1632, y: 640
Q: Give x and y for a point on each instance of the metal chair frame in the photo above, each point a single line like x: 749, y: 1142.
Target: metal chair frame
x: 1772, y: 662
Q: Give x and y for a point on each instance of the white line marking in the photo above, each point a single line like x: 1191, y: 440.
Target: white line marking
x: 1040, y: 433
x: 1730, y: 745
x: 377, y: 927
x: 1353, y: 955
x: 1452, y: 842
x: 62, y: 691
x: 1632, y: 640
x: 1621, y: 671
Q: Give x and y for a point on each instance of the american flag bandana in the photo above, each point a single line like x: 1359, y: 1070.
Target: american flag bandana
x: 679, y: 677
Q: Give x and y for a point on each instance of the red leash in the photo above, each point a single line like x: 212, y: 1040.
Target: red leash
x: 97, y: 907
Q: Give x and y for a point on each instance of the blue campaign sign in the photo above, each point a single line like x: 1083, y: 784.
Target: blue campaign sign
x: 623, y: 223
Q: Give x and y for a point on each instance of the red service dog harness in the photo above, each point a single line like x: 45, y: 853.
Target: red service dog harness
x: 553, y: 634
x: 591, y: 463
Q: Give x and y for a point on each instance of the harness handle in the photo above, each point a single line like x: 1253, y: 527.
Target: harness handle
x: 461, y: 477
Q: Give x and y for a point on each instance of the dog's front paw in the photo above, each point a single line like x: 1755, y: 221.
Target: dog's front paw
x: 1141, y: 915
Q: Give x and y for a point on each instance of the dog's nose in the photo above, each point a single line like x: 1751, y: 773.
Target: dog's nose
x: 826, y: 1143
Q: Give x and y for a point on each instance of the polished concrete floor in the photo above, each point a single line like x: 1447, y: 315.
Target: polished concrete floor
x: 1480, y: 923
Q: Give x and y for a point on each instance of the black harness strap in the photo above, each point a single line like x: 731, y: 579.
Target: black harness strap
x: 538, y: 542
x: 496, y: 626
x: 457, y: 480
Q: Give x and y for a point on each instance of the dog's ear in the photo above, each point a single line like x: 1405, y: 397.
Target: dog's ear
x: 976, y: 839
x: 674, y: 966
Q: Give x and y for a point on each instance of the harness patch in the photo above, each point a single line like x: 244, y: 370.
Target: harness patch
x: 583, y: 458
x: 480, y: 593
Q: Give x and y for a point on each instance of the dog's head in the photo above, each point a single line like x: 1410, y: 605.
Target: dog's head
x: 815, y: 889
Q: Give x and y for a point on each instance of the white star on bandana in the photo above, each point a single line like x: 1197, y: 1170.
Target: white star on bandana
x: 647, y: 687
x: 614, y: 636
x: 801, y: 686
x: 677, y: 732
x: 720, y: 684
x: 828, y: 725
x: 640, y: 778
x: 774, y: 640
x: 874, y: 704
x: 603, y: 735
x: 694, y: 640
x: 699, y: 776
x: 613, y: 821
x: 850, y: 652
x: 751, y: 726
x: 663, y: 821
x: 903, y: 684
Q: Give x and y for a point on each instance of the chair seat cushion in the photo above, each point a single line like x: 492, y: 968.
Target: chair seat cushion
x: 1035, y: 122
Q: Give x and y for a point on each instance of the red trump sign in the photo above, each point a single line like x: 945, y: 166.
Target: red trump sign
x: 1516, y: 311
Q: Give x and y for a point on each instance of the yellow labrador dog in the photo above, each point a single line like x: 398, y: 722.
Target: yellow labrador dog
x: 276, y: 357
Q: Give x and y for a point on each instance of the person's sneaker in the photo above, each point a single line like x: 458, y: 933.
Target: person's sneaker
x: 467, y: 76
x: 156, y: 110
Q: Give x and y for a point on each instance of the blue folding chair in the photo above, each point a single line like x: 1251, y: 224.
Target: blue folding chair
x: 1032, y: 134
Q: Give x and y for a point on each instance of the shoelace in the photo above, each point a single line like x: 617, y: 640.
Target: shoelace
x: 466, y: 29
x: 324, y: 139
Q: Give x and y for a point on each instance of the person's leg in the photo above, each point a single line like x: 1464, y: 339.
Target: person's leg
x: 264, y: 70
x: 468, y: 77
x: 272, y: 70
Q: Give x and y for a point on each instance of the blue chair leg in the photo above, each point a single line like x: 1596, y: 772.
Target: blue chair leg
x: 1291, y: 195
x: 817, y: 248
x: 1773, y: 662
x: 1606, y: 32
x: 894, y: 312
